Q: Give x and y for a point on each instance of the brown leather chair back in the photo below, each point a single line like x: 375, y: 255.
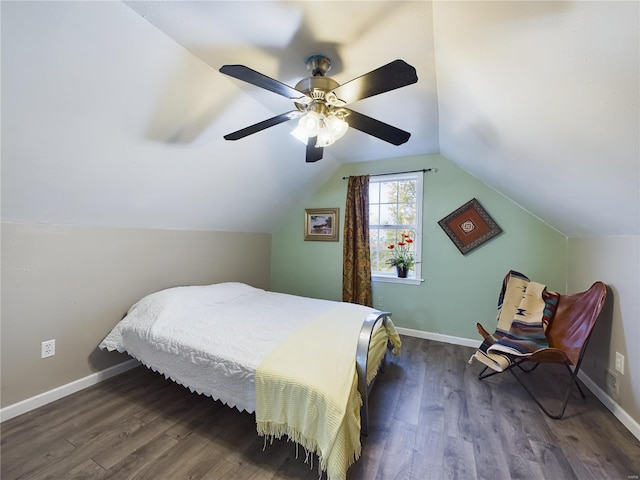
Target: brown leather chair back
x: 574, y: 320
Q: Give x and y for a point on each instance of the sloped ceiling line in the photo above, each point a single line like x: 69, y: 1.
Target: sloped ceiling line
x: 539, y: 100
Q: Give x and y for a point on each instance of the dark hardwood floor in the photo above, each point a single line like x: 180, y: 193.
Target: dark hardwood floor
x: 431, y: 418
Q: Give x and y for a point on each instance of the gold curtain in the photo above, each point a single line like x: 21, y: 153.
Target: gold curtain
x: 356, y: 269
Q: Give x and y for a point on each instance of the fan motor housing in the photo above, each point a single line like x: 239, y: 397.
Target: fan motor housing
x: 316, y: 87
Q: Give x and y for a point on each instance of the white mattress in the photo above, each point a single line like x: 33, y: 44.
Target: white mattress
x: 212, y: 338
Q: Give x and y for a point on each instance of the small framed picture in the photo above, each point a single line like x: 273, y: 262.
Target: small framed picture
x: 469, y: 226
x: 322, y: 224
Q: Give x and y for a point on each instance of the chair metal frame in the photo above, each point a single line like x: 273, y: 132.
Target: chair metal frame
x: 589, y: 304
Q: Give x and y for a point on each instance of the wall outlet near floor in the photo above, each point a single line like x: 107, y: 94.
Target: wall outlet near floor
x: 380, y: 302
x: 611, y: 380
x: 619, y: 363
x: 48, y: 349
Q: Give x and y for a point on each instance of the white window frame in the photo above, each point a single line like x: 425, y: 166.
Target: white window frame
x: 416, y: 277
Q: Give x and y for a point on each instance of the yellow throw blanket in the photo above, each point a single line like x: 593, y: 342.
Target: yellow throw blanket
x: 306, y: 388
x: 378, y: 347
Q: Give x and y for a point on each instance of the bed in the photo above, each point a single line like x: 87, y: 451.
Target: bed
x: 276, y: 355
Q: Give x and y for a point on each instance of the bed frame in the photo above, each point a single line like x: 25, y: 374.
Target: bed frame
x: 362, y: 360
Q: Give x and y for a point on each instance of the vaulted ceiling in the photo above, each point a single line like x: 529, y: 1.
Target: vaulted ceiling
x: 113, y: 113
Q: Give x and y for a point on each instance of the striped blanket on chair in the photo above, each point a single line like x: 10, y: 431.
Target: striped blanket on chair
x: 525, y: 310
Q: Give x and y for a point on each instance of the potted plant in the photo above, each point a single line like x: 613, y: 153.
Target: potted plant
x: 402, y: 255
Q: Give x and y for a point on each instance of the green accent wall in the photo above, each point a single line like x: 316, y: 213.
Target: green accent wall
x: 458, y: 290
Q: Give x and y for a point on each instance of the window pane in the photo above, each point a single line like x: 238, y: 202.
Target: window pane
x: 374, y: 192
x: 374, y: 240
x: 388, y: 215
x: 385, y: 255
x: 389, y: 236
x: 388, y: 192
x: 386, y: 268
x: 374, y: 214
x: 406, y: 214
x: 407, y: 191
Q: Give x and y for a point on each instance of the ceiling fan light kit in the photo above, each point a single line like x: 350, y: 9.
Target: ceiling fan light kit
x: 325, y: 124
x: 320, y: 102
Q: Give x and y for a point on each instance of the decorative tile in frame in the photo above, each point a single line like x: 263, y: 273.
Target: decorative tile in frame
x: 322, y: 224
x: 469, y: 226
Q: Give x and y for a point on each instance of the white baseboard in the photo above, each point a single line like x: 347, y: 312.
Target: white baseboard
x: 47, y: 397
x: 62, y: 391
x: 438, y: 337
x: 612, y: 406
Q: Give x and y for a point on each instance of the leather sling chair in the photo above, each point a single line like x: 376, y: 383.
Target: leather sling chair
x: 568, y: 336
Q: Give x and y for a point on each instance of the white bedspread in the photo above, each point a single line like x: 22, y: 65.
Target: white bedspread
x: 212, y: 338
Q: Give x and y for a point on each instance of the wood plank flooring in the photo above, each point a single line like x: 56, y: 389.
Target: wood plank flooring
x: 431, y: 418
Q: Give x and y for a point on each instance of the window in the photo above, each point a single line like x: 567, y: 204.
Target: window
x: 395, y: 207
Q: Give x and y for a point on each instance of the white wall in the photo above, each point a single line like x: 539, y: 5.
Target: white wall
x: 615, y: 261
x: 106, y: 121
x: 540, y: 101
x: 73, y: 284
x: 104, y: 198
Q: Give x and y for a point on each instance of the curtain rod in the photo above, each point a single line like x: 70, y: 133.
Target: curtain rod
x: 434, y: 170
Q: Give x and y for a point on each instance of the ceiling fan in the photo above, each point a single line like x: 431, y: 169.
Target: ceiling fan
x: 320, y: 103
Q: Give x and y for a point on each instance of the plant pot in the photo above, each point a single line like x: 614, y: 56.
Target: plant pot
x: 402, y: 271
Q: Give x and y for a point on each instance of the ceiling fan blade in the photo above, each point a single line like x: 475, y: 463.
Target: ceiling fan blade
x: 283, y: 117
x: 313, y: 154
x: 378, y: 129
x: 249, y: 75
x: 388, y: 77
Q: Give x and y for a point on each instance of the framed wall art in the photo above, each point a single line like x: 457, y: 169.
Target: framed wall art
x: 469, y: 226
x: 322, y: 224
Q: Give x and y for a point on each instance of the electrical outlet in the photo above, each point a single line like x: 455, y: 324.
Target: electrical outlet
x: 48, y: 349
x: 620, y: 363
x: 611, y: 380
x: 380, y: 302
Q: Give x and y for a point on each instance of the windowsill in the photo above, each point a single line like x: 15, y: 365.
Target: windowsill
x: 394, y: 279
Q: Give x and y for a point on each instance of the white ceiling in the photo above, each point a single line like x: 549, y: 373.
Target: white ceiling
x: 113, y: 113
x: 275, y: 38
